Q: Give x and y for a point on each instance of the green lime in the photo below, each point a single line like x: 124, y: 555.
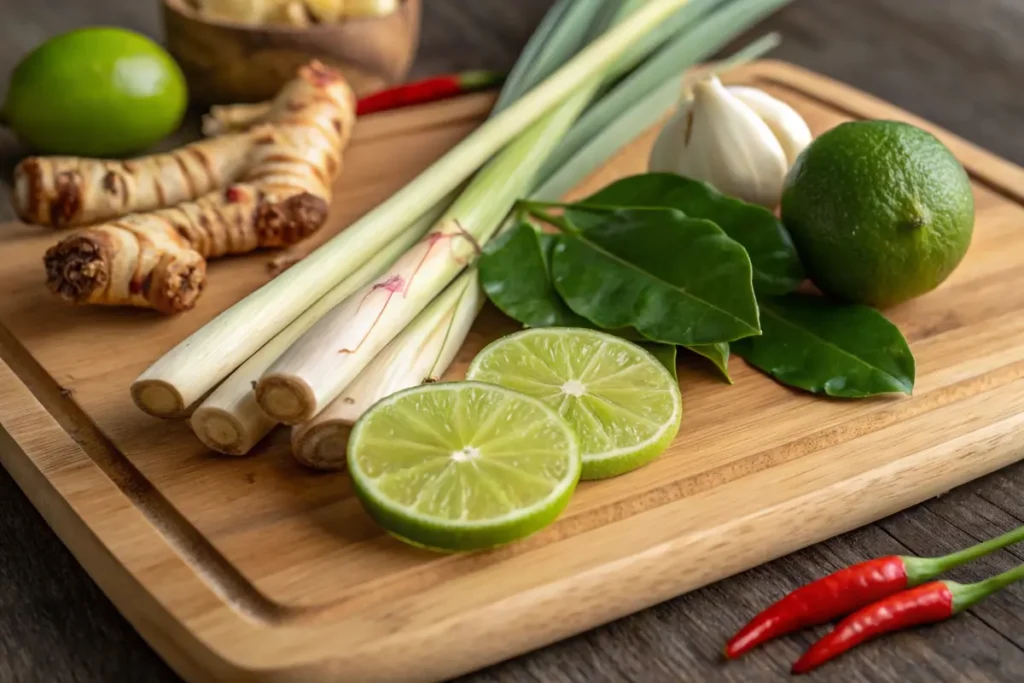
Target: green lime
x: 880, y: 211
x: 623, y: 404
x: 463, y: 465
x: 95, y: 92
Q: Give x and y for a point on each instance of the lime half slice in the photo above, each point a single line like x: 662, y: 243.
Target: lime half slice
x: 463, y: 465
x: 621, y: 402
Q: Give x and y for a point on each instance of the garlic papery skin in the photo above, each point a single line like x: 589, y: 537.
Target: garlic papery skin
x: 717, y: 138
x: 789, y: 127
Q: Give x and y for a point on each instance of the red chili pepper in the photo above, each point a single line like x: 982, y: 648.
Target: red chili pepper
x: 927, y: 604
x: 823, y: 600
x: 428, y: 90
x: 850, y: 589
x: 922, y: 605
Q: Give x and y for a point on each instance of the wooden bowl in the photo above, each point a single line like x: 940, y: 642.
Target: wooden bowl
x: 226, y: 63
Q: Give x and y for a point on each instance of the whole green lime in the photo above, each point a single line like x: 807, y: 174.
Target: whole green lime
x: 95, y: 92
x: 880, y: 211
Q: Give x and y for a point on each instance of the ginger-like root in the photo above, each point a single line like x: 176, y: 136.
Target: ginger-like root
x: 283, y: 198
x: 69, y: 191
x: 158, y: 260
x: 134, y: 262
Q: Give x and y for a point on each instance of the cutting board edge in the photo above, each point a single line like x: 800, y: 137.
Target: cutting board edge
x: 196, y: 657
x: 112, y: 573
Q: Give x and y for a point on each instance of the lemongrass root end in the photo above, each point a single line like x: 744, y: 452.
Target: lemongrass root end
x: 221, y: 431
x: 322, y: 446
x: 158, y: 398
x: 286, y: 398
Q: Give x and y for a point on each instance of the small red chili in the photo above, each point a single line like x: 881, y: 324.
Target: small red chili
x: 428, y: 90
x: 852, y: 588
x: 925, y: 604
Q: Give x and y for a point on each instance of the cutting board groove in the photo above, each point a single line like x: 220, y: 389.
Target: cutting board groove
x: 255, y: 568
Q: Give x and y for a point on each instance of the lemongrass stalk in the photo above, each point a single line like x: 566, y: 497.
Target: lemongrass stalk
x: 519, y: 79
x: 421, y: 353
x: 562, y: 33
x: 688, y: 16
x: 205, y: 358
x: 748, y: 53
x: 627, y: 127
x: 691, y: 46
x: 229, y: 420
x: 567, y: 27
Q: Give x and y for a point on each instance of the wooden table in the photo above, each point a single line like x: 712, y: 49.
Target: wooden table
x: 955, y: 63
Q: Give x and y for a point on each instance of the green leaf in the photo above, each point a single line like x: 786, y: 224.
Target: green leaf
x: 514, y: 272
x: 666, y: 355
x: 674, y: 279
x: 717, y: 354
x: 777, y: 268
x: 843, y: 350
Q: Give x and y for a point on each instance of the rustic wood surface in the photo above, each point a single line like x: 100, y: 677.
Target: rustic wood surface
x: 950, y: 62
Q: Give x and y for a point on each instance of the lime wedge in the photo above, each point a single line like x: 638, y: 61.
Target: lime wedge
x: 621, y: 402
x: 463, y: 465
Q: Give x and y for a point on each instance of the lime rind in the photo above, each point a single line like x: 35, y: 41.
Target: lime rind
x: 632, y: 408
x: 393, y: 474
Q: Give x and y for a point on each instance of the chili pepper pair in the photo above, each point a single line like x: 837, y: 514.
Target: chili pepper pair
x: 877, y: 594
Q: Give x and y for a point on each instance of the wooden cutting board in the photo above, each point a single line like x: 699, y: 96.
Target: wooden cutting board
x: 256, y: 568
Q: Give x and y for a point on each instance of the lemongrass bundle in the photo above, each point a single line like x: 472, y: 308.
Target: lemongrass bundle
x: 199, y: 363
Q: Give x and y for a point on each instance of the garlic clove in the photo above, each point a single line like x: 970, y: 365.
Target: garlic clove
x: 673, y: 136
x: 732, y: 148
x: 789, y: 127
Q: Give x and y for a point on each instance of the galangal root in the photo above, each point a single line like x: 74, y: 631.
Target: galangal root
x: 65, y: 192
x: 158, y: 259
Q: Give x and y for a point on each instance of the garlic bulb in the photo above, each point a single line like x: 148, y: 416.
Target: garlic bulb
x: 741, y: 140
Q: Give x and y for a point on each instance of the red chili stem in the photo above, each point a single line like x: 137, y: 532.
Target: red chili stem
x: 930, y: 568
x: 922, y: 605
x: 965, y: 596
x: 428, y: 90
x: 852, y: 588
x: 927, y: 604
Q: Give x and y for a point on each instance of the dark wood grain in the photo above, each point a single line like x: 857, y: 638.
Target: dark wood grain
x: 956, y: 63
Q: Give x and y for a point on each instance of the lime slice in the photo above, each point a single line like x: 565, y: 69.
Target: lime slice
x: 622, y: 403
x: 463, y: 465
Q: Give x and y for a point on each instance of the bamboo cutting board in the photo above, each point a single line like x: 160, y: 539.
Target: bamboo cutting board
x: 258, y: 569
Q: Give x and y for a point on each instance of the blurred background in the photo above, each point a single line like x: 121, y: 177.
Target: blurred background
x: 955, y: 63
